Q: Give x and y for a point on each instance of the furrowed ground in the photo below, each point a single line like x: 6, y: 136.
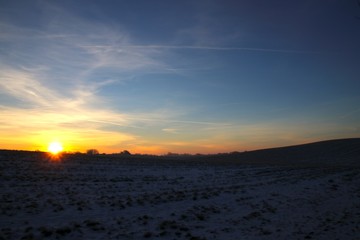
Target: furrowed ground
x: 107, y: 198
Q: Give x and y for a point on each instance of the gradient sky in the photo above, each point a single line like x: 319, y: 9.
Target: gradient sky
x: 178, y: 76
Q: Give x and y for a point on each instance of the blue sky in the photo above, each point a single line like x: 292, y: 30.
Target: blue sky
x: 178, y: 76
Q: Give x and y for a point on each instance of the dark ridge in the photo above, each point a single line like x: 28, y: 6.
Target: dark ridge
x: 339, y: 152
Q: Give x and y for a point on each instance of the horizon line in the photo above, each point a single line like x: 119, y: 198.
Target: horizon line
x: 192, y: 154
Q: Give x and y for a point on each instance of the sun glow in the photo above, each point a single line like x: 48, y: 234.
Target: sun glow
x: 55, y: 147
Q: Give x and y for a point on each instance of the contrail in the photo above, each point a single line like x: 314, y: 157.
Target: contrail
x: 199, y: 48
x: 219, y: 48
x: 176, y: 121
x: 158, y: 120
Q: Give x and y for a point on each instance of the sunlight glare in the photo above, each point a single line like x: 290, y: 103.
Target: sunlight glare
x: 55, y: 147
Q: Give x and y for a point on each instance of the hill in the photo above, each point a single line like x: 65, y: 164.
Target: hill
x: 339, y: 152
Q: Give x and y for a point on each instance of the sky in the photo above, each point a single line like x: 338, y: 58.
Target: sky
x: 154, y: 77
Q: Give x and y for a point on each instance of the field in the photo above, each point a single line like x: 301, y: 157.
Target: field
x: 87, y: 197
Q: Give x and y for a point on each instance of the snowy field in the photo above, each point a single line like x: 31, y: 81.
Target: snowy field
x: 132, y: 199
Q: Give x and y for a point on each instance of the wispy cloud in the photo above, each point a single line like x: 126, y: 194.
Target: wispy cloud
x: 23, y: 85
x: 107, y: 48
x: 217, y: 48
x: 170, y: 130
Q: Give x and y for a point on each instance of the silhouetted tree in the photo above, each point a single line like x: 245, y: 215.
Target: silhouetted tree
x: 125, y: 152
x: 92, y: 152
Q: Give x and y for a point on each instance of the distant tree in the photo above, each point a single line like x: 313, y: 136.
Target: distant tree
x: 92, y: 152
x: 125, y: 152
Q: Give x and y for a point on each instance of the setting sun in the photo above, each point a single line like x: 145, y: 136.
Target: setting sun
x: 55, y: 147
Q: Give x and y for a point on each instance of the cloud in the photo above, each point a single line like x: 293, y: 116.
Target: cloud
x: 23, y: 85
x: 196, y: 47
x: 219, y: 48
x: 58, y: 64
x: 170, y: 130
x: 66, y: 48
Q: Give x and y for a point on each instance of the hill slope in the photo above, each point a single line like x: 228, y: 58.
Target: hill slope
x: 340, y: 152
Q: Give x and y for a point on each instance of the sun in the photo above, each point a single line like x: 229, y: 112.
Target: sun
x: 55, y: 147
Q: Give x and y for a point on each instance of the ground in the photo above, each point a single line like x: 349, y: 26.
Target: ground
x: 103, y: 198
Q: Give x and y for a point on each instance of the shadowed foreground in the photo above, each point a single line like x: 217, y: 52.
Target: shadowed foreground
x: 108, y: 198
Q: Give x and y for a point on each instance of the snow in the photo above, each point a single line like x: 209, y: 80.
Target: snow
x: 108, y: 198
